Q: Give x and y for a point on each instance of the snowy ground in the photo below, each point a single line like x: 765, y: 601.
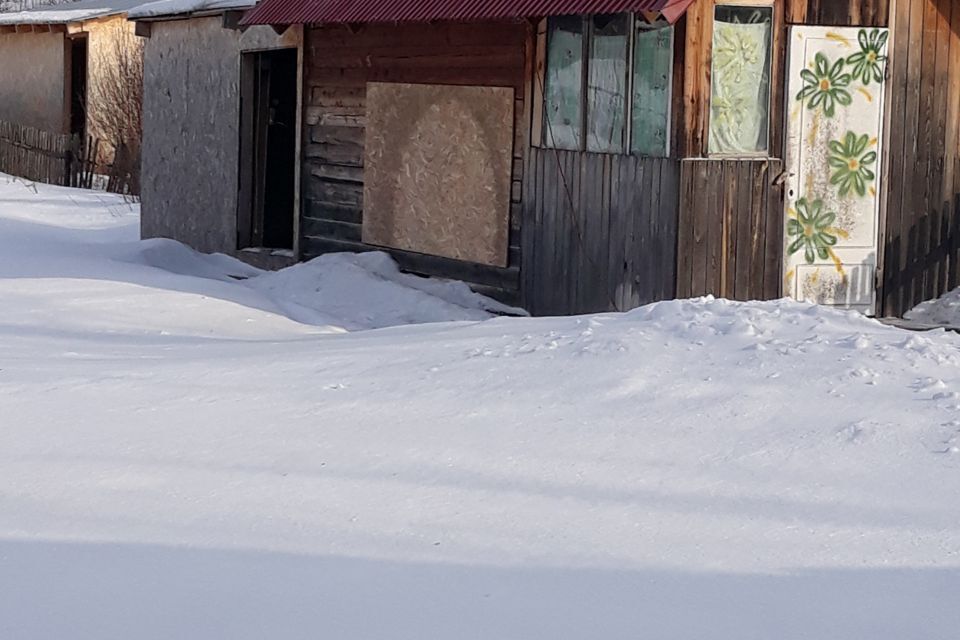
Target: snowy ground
x: 944, y: 311
x: 182, y: 458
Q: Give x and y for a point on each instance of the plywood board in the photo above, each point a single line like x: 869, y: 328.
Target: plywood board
x: 437, y: 171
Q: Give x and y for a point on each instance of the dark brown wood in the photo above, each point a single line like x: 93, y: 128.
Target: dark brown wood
x: 920, y: 238
x: 730, y: 219
x: 840, y: 13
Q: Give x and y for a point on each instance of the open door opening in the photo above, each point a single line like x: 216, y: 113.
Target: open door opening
x: 268, y: 117
x: 78, y: 86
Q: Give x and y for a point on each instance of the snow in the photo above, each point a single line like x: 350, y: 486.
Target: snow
x: 69, y: 12
x: 183, y: 457
x: 944, y: 311
x: 159, y: 8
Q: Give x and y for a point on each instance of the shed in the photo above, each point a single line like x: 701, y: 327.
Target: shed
x: 62, y: 65
x: 576, y: 155
x: 221, y: 130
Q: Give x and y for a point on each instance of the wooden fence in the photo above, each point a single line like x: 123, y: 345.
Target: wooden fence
x: 731, y: 218
x: 923, y: 261
x: 65, y: 160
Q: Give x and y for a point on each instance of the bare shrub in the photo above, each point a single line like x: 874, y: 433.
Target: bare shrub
x: 115, y: 99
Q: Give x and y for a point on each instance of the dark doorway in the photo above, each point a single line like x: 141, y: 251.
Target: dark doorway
x: 268, y: 136
x: 78, y: 86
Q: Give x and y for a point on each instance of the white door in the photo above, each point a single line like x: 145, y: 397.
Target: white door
x: 835, y: 124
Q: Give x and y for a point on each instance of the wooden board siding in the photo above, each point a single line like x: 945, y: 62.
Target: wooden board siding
x: 339, y: 61
x: 600, y: 231
x: 922, y: 230
x: 838, y: 13
x: 731, y: 227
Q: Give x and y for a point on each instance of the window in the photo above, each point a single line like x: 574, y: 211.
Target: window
x: 607, y: 85
x: 564, y: 84
x: 740, y: 91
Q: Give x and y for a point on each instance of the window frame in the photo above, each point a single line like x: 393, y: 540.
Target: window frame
x: 771, y: 63
x: 540, y: 129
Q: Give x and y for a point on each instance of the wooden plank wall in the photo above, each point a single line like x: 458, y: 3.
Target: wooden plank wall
x: 838, y: 13
x: 731, y: 229
x: 339, y: 61
x: 600, y: 231
x: 922, y: 227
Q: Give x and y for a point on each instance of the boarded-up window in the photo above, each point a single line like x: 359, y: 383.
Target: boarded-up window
x: 564, y: 83
x: 740, y: 95
x: 591, y: 63
x: 437, y: 170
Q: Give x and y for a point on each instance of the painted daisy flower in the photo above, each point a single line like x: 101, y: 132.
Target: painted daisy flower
x: 851, y: 163
x: 826, y: 84
x: 811, y: 230
x: 868, y: 63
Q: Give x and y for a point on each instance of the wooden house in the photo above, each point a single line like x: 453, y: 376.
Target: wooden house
x: 60, y: 66
x: 582, y: 155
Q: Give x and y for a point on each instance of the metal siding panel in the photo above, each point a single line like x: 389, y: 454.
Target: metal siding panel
x: 284, y: 12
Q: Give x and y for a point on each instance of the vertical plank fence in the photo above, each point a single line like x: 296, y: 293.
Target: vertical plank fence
x: 64, y: 160
x: 923, y: 261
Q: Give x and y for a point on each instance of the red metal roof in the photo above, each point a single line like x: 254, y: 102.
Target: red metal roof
x: 285, y: 12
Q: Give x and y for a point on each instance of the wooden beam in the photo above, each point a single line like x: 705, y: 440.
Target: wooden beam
x: 231, y: 19
x: 142, y: 29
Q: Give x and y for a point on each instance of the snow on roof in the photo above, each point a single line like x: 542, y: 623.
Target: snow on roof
x: 70, y: 12
x: 159, y: 8
x: 90, y: 9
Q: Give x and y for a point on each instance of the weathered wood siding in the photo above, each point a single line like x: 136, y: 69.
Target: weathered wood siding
x: 731, y: 228
x: 339, y: 62
x: 920, y: 252
x: 838, y: 13
x: 600, y: 231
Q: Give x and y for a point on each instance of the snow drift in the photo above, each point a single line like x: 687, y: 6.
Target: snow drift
x: 944, y: 311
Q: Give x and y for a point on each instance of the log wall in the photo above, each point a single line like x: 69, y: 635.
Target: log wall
x: 339, y: 61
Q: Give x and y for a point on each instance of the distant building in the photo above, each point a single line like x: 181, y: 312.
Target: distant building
x: 60, y: 64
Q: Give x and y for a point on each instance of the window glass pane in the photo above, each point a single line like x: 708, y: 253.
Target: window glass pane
x: 740, y: 96
x: 563, y: 91
x: 652, y: 71
x: 607, y: 82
